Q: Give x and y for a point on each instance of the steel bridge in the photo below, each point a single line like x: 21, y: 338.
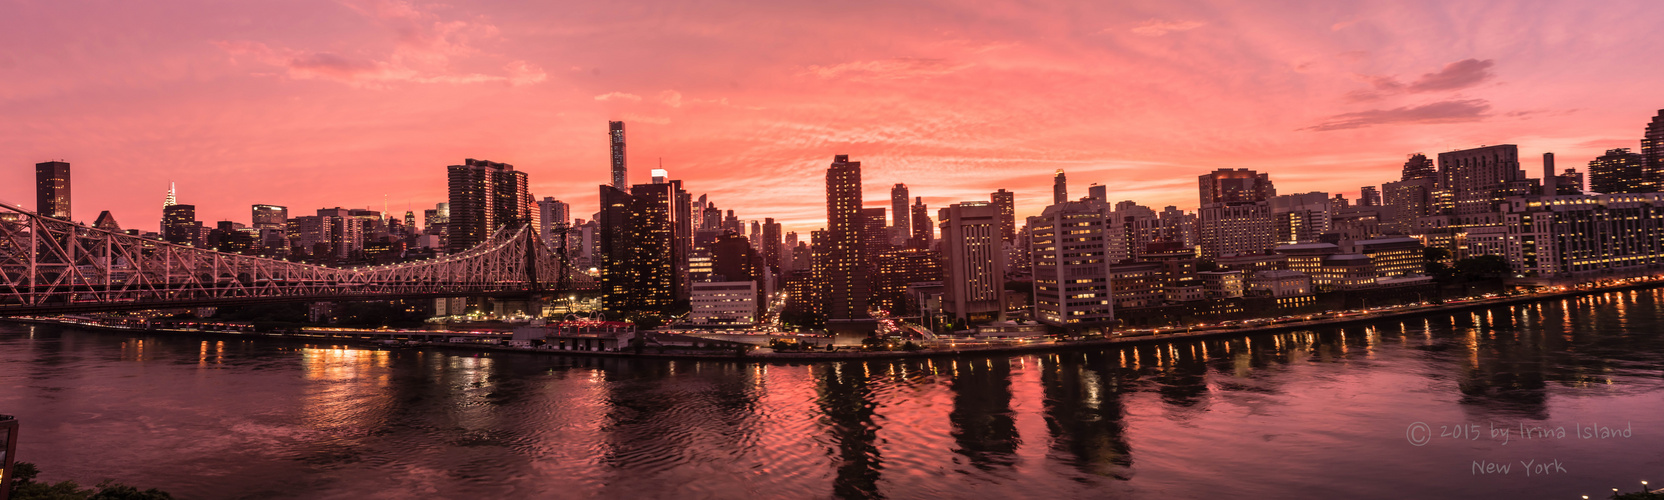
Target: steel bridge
x: 54, y: 266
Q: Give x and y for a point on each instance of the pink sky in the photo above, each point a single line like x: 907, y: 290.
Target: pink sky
x: 314, y: 104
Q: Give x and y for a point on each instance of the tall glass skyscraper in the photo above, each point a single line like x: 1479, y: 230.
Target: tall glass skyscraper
x: 52, y: 189
x: 846, y: 272
x: 620, y: 177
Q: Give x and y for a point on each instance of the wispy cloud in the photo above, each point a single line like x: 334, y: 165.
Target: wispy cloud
x: 1454, y: 76
x: 887, y: 69
x: 618, y: 97
x: 424, y: 48
x: 1453, y: 111
x: 1158, y: 27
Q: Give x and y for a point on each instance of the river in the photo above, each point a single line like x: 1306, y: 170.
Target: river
x: 1567, y: 394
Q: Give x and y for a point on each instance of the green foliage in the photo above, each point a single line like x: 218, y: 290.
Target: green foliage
x: 24, y: 487
x: 910, y: 346
x: 645, y: 321
x: 1481, y: 267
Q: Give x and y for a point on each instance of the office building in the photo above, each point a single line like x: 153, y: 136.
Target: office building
x: 1235, y: 186
x: 901, y: 227
x: 179, y: 225
x: 1369, y: 196
x: 1231, y: 229
x: 1480, y: 179
x: 1060, y: 188
x: 1178, y: 226
x: 1006, y: 202
x: 620, y: 174
x: 723, y: 303
x: 1419, y: 166
x: 1408, y: 200
x: 1097, y: 192
x: 924, y: 229
x: 52, y: 189
x: 847, y: 270
x: 1301, y: 218
x: 1072, y: 281
x: 555, y: 218
x: 270, y: 216
x: 655, y: 273
x: 1569, y: 182
x: 895, y: 270
x: 1652, y: 150
x: 874, y: 235
x: 484, y: 196
x: 973, y: 262
x: 771, y: 245
x: 1618, y: 172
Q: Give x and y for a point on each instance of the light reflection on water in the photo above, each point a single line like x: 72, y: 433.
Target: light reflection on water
x: 1311, y: 414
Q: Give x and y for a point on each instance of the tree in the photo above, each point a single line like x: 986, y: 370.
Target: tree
x: 24, y: 487
x: 1436, y: 267
x: 1482, y: 267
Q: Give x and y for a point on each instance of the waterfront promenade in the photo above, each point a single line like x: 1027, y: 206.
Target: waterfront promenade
x: 493, y: 342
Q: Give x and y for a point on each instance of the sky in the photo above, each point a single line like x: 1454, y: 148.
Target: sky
x: 315, y: 103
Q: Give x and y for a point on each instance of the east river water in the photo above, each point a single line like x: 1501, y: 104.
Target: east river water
x: 1567, y: 394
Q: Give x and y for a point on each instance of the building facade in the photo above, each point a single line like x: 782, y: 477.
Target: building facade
x: 974, y: 261
x: 52, y: 189
x: 1072, y: 282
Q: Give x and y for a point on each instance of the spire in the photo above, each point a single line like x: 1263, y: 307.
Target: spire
x: 171, y: 200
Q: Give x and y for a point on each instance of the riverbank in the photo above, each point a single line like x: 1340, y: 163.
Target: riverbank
x: 951, y: 349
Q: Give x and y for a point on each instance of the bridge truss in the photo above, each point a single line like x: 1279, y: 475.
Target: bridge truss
x: 51, y: 265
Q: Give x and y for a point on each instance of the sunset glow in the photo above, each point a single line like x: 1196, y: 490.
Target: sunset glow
x: 314, y: 104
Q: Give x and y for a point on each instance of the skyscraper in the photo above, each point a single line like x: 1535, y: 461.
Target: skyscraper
x: 556, y: 217
x: 1301, y: 218
x: 1235, y: 186
x: 901, y: 225
x: 1060, y: 188
x: 874, y: 235
x: 974, y: 263
x: 656, y: 272
x: 771, y: 245
x: 1235, y: 217
x: 484, y: 196
x: 1369, y: 196
x: 1409, y: 200
x: 1479, y: 179
x: 269, y: 216
x: 1006, y: 202
x: 179, y: 224
x: 846, y: 271
x: 620, y: 177
x: 924, y: 231
x: 1652, y: 148
x: 1419, y: 166
x: 1071, y: 269
x: 52, y: 189
x: 1618, y: 172
x: 613, y: 253
x: 1098, y: 192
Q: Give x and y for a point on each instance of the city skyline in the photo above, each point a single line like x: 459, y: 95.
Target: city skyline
x: 236, y: 116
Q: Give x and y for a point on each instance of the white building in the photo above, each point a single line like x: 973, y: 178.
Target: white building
x: 724, y: 303
x: 1070, y: 245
